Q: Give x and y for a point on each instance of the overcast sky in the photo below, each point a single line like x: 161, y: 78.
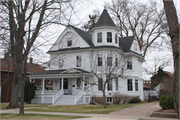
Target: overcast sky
x: 83, y: 10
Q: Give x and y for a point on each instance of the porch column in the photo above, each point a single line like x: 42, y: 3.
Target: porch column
x: 62, y: 81
x: 30, y: 80
x: 42, y: 98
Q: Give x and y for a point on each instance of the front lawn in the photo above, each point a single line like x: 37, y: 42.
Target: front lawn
x: 89, y: 109
x: 29, y: 116
x: 4, y: 105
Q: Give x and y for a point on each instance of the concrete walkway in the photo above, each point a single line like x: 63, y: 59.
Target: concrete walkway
x: 131, y: 113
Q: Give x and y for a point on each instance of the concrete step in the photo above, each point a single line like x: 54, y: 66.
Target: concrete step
x: 65, y: 100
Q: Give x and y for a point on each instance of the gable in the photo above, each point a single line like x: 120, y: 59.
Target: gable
x: 69, y: 34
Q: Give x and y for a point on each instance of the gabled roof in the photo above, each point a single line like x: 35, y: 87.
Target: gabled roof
x: 125, y: 43
x: 105, y: 20
x: 85, y: 35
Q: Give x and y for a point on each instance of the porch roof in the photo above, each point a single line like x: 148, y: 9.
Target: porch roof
x: 71, y: 72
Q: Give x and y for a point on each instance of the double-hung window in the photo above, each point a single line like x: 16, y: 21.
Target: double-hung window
x: 109, y: 37
x: 116, y: 38
x: 109, y: 85
x: 130, y: 85
x: 136, y: 85
x: 60, y: 62
x: 78, y: 61
x: 99, y: 37
x: 116, y: 81
x: 116, y: 60
x: 129, y: 64
x: 100, y: 84
x: 109, y: 60
x: 100, y: 59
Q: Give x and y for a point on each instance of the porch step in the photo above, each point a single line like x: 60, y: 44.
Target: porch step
x: 65, y: 100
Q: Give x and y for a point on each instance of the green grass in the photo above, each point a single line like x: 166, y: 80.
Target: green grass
x: 89, y: 109
x: 37, y: 117
x: 4, y: 105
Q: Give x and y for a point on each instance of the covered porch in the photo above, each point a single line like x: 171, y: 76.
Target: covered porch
x: 66, y: 82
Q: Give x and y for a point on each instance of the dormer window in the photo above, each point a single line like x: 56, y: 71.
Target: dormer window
x: 109, y: 37
x: 69, y: 43
x: 99, y: 37
x: 116, y: 38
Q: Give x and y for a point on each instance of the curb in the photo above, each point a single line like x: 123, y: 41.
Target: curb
x: 164, y: 115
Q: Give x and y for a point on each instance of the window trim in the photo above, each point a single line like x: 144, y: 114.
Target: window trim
x: 68, y: 43
x: 129, y: 64
x: 109, y: 59
x: 108, y: 85
x: 129, y: 85
x: 116, y: 38
x: 78, y: 61
x: 100, y: 60
x: 136, y: 85
x: 109, y: 38
x: 99, y: 38
x: 61, y: 65
x: 109, y: 99
x: 100, y: 83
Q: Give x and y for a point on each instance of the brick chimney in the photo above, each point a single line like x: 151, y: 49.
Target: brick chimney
x: 31, y: 60
x: 6, y: 55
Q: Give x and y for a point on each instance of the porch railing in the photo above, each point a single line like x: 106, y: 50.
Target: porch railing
x: 57, y: 95
x: 78, y: 96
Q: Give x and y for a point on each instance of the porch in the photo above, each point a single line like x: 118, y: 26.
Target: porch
x: 68, y: 87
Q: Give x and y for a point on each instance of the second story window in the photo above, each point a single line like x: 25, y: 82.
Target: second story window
x: 60, y: 62
x: 78, y: 61
x: 69, y: 43
x: 129, y: 64
x: 109, y: 37
x: 116, y: 38
x: 109, y: 60
x: 99, y: 37
x: 100, y: 59
x: 116, y: 60
x: 100, y: 84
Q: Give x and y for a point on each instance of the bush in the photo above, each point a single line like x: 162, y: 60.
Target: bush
x: 29, y: 92
x: 135, y: 100
x: 166, y: 102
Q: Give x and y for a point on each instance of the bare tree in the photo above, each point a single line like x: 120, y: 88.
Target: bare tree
x: 106, y: 67
x: 173, y: 24
x: 157, y: 62
x: 145, y: 21
x: 25, y: 20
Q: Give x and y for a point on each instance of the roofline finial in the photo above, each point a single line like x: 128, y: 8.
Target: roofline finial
x: 104, y: 7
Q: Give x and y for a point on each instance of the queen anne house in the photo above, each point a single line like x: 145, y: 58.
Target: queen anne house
x: 77, y: 58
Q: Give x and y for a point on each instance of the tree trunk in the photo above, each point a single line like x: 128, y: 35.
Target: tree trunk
x: 15, y: 92
x: 173, y: 25
x: 104, y: 98
x: 8, y: 83
x: 22, y: 84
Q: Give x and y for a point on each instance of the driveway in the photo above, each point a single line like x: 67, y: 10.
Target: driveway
x: 143, y: 110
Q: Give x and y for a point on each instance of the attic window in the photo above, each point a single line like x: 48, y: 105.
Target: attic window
x: 69, y: 43
x: 109, y: 37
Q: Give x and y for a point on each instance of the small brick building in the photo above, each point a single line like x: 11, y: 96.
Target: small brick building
x: 7, y: 76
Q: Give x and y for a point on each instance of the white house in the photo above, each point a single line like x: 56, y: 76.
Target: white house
x: 77, y: 55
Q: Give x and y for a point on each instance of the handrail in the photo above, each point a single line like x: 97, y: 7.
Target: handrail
x: 78, y: 96
x: 57, y: 95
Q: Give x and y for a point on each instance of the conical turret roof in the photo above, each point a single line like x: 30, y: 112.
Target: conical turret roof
x: 105, y: 20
